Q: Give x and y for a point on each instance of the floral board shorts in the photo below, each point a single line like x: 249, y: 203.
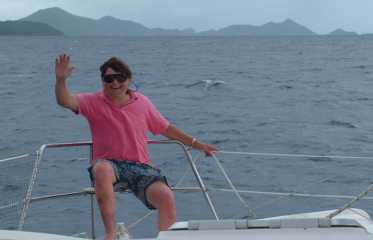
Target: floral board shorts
x: 133, y: 176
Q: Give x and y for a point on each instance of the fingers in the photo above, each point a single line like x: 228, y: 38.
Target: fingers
x: 63, y: 58
x: 63, y: 67
x: 63, y: 62
x: 210, y: 153
x: 210, y: 150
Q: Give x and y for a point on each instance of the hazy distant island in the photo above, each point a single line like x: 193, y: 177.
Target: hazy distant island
x: 341, y: 32
x: 73, y: 25
x: 56, y: 21
x: 27, y: 28
x: 285, y: 28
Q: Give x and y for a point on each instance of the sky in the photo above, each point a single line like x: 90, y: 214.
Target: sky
x: 320, y: 16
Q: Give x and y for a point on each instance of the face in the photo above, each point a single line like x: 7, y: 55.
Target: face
x: 115, y: 83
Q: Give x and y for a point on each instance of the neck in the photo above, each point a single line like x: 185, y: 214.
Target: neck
x: 119, y: 99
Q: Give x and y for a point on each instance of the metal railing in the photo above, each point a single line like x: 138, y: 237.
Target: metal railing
x: 90, y: 191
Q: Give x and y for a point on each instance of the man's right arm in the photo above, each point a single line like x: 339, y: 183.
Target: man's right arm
x: 63, y: 72
x: 64, y: 97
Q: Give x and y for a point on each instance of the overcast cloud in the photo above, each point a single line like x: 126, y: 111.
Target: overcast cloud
x: 321, y: 16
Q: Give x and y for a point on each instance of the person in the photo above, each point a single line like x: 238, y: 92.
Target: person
x: 119, y: 120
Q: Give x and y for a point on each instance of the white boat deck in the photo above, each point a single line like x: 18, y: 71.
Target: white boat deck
x: 351, y: 224
x: 269, y: 234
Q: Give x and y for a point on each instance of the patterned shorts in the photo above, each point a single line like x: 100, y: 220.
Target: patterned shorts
x: 134, y: 176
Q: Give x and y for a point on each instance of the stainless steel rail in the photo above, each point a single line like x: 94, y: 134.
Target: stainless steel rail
x: 35, y: 170
x: 90, y: 191
x: 195, y: 172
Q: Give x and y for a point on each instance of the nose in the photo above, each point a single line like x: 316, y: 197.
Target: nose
x: 116, y: 81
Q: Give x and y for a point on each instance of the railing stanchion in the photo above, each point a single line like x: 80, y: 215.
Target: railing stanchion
x: 93, y: 221
x: 201, y: 184
x: 195, y: 172
x: 93, y: 231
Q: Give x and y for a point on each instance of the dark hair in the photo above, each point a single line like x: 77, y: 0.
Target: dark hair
x: 117, y: 65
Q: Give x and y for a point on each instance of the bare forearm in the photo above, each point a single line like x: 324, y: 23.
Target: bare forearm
x: 177, y: 134
x: 63, y: 95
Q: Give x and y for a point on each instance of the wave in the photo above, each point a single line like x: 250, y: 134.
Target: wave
x: 285, y: 87
x: 341, y: 124
x: 362, y: 99
x: 207, y: 84
x: 10, y: 187
x: 320, y: 159
x: 359, y: 66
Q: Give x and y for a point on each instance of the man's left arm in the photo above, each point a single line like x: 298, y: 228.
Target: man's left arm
x: 175, y: 133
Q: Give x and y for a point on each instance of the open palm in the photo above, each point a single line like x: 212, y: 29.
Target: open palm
x: 63, y: 67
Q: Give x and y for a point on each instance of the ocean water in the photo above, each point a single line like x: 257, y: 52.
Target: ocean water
x: 296, y: 95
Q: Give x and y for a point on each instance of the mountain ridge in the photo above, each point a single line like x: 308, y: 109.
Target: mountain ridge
x: 110, y: 26
x: 74, y: 25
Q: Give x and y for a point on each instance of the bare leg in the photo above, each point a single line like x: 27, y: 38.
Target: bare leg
x: 104, y: 179
x: 162, y: 198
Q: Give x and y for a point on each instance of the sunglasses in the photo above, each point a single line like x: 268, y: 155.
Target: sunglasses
x: 120, y: 77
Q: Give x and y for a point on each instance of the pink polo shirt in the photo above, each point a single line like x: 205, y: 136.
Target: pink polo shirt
x: 121, y: 132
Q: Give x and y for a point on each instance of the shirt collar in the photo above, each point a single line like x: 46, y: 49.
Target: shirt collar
x: 133, y: 98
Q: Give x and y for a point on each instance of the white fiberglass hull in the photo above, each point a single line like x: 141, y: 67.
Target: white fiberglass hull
x: 350, y: 225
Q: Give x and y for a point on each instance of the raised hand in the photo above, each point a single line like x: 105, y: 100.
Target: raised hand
x: 63, y: 67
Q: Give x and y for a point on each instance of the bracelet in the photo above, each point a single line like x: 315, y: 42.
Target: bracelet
x: 191, y: 145
x: 193, y: 141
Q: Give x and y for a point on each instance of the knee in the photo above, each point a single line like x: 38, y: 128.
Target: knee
x: 161, y: 197
x: 169, y: 197
x: 168, y: 202
x: 103, y: 171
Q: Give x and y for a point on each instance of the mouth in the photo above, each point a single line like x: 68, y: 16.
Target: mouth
x: 116, y: 88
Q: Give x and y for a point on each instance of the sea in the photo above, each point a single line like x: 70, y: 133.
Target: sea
x: 274, y: 95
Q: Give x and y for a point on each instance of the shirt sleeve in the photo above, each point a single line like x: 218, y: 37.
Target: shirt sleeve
x: 156, y: 122
x: 85, y: 101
